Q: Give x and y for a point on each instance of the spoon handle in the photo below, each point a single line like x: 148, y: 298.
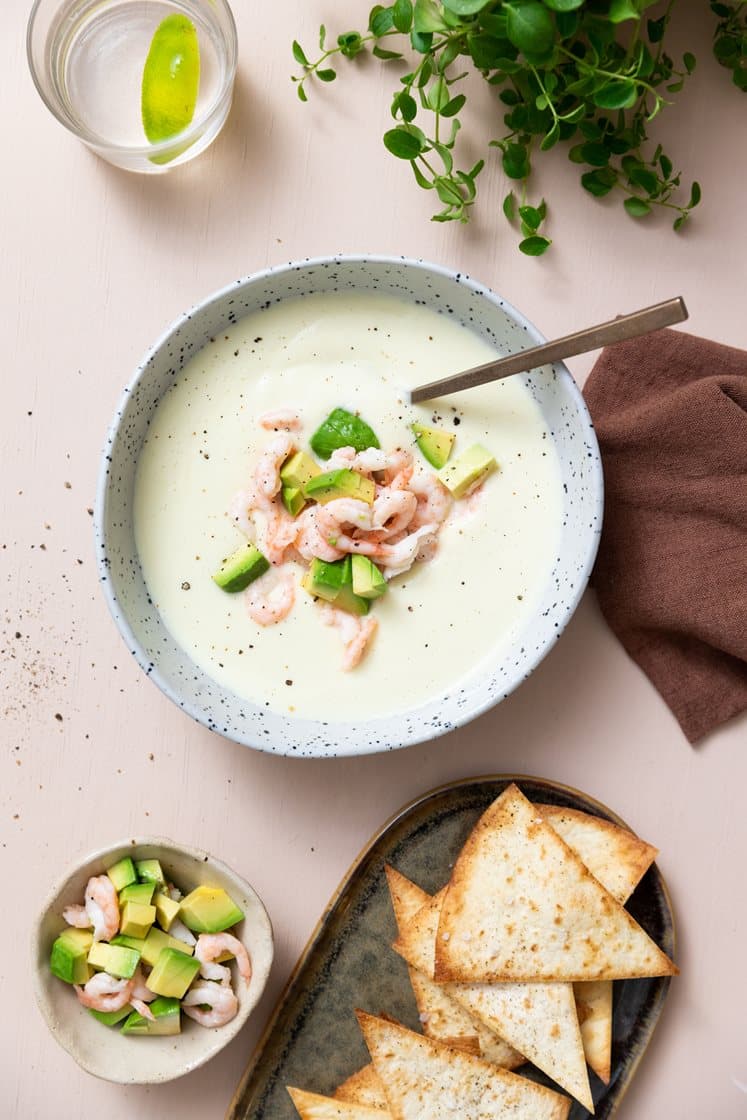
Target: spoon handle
x: 592, y: 338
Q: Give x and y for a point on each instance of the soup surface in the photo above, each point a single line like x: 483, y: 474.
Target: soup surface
x: 438, y: 621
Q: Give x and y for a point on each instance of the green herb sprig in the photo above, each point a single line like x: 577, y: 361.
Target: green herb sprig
x: 730, y: 40
x: 591, y: 75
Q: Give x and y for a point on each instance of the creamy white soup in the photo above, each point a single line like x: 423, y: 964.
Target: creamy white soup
x: 438, y: 621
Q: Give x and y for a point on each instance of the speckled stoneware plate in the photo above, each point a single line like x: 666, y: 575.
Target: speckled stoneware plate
x: 312, y: 1041
x: 254, y: 724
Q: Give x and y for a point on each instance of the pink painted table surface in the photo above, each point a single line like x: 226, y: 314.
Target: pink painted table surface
x: 95, y: 263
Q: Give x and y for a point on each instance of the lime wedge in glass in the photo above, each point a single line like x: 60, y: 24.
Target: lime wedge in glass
x: 171, y: 79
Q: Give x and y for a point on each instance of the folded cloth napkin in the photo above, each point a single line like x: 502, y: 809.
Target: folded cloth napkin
x: 670, y: 412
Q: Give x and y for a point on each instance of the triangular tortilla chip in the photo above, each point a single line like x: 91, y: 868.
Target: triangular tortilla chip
x: 594, y: 1006
x: 538, y: 1020
x: 362, y: 1087
x: 521, y: 905
x: 310, y: 1106
x: 615, y: 857
x: 425, y: 1080
x: 442, y: 1017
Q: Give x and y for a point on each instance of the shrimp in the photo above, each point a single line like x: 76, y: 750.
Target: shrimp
x: 240, y: 512
x: 77, y: 916
x: 356, y: 633
x: 434, y: 500
x: 102, y: 907
x: 398, y: 470
x: 104, y: 993
x: 393, y: 510
x: 343, y: 457
x: 211, y: 945
x: 310, y: 540
x: 267, y: 471
x: 398, y: 558
x: 178, y: 930
x: 271, y: 597
x: 219, y: 998
x: 281, y: 418
x: 174, y: 893
x: 331, y: 518
x: 277, y: 533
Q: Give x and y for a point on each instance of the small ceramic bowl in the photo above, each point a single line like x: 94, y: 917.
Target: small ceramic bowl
x: 161, y: 657
x: 105, y: 1051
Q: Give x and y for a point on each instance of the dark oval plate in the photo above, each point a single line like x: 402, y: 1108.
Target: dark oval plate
x: 313, y: 1041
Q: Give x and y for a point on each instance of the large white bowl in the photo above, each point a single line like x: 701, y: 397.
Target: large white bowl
x: 105, y: 1051
x: 140, y: 624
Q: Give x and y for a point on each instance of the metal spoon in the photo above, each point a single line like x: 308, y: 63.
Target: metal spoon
x: 606, y: 334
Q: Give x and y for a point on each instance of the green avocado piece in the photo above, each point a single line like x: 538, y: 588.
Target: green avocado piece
x: 166, y: 1019
x: 69, y: 957
x: 166, y: 910
x: 469, y: 468
x: 368, y: 582
x: 172, y: 973
x: 323, y: 579
x: 150, y: 871
x: 150, y: 947
x: 342, y: 429
x: 122, y: 873
x: 347, y: 600
x: 342, y: 483
x: 299, y: 469
x: 137, y: 892
x: 137, y: 919
x: 241, y: 568
x: 435, y: 444
x: 118, y: 960
x: 111, y: 1018
x: 209, y: 910
x: 293, y: 499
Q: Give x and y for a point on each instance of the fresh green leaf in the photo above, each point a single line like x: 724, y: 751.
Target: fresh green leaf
x: 621, y: 10
x: 402, y: 143
x: 385, y: 55
x: 452, y: 107
x: 530, y: 27
x: 427, y: 17
x: 690, y: 61
x: 465, y: 7
x: 637, y: 207
x: 380, y: 21
x: 402, y: 13
x: 620, y: 94
x: 322, y: 37
x: 695, y: 196
x: 299, y: 55
x: 326, y: 75
x: 509, y: 206
x: 532, y: 217
x: 535, y: 245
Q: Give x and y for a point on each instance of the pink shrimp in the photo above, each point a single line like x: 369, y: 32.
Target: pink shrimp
x: 393, y: 510
x: 356, y: 633
x: 240, y: 511
x: 277, y: 533
x: 77, y: 916
x: 104, y: 993
x: 285, y: 418
x: 399, y: 468
x: 102, y: 907
x: 342, y: 457
x: 271, y: 597
x: 219, y: 998
x: 434, y: 500
x: 212, y: 945
x: 141, y: 995
x: 267, y: 471
x: 394, y: 559
x: 331, y: 518
x: 310, y: 540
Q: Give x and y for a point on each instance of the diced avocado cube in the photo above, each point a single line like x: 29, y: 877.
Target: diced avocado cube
x: 137, y: 943
x: 69, y: 957
x: 342, y: 429
x: 293, y: 499
x: 122, y: 873
x: 209, y: 910
x: 346, y: 599
x: 166, y: 1019
x: 324, y: 579
x: 111, y: 1018
x: 150, y: 871
x: 298, y: 470
x: 150, y: 947
x: 241, y: 568
x: 368, y: 582
x: 136, y: 919
x: 342, y: 483
x: 468, y: 470
x: 137, y: 892
x: 166, y: 910
x: 435, y: 444
x: 172, y: 973
x: 117, y: 960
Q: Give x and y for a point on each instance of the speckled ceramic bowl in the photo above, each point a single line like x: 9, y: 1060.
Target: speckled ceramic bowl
x: 254, y: 725
x: 105, y: 1051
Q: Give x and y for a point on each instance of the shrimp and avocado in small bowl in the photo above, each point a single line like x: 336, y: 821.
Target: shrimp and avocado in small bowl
x: 149, y: 957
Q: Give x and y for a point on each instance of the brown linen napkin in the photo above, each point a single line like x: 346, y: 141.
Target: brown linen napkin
x: 670, y: 412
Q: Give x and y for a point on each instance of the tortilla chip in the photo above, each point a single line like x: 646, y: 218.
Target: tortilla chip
x: 442, y: 1017
x: 594, y: 1006
x: 521, y: 905
x: 615, y: 857
x: 310, y: 1106
x: 362, y: 1087
x: 426, y: 1080
x: 538, y: 1020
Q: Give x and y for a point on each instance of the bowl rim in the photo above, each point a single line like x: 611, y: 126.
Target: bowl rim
x: 462, y: 716
x: 199, y: 856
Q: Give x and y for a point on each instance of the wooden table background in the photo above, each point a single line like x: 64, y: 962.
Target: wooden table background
x: 95, y: 262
